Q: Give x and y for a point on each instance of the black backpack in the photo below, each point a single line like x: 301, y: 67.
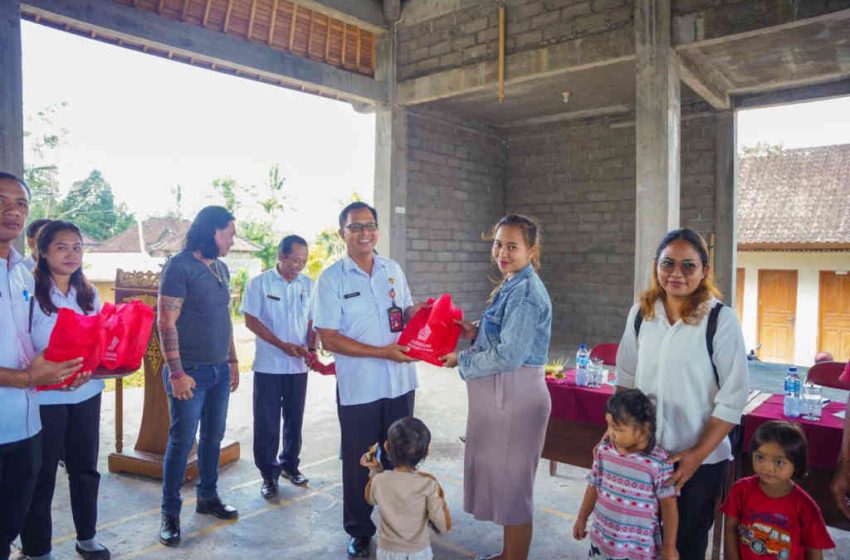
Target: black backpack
x: 711, y: 329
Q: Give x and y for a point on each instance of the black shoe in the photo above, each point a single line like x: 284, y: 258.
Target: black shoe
x: 358, y: 547
x: 214, y: 507
x: 102, y: 554
x: 295, y: 477
x: 169, y: 531
x: 269, y: 488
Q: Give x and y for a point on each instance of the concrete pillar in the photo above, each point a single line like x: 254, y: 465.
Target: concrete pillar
x: 390, y: 158
x: 725, y: 205
x: 11, y: 89
x: 658, y: 116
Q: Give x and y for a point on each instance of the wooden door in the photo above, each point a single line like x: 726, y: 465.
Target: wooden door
x: 834, y: 329
x: 777, y: 312
x: 739, y: 294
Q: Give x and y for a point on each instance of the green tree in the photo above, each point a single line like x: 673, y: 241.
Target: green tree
x: 42, y: 140
x: 91, y: 205
x: 326, y: 248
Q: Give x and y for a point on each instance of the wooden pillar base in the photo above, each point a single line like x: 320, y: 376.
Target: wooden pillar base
x: 150, y: 464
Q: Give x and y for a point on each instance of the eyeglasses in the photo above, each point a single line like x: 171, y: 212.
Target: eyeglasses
x: 668, y: 265
x: 359, y: 228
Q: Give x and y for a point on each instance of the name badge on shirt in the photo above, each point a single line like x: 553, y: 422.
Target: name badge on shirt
x: 396, y: 317
x: 351, y: 295
x: 276, y: 298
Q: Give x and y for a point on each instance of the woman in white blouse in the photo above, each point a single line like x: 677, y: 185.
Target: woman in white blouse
x: 698, y: 381
x: 70, y: 418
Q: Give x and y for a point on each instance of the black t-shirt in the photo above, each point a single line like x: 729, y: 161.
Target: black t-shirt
x: 204, y: 325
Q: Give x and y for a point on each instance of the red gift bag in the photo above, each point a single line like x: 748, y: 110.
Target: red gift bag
x: 432, y: 332
x: 74, y: 336
x: 127, y: 329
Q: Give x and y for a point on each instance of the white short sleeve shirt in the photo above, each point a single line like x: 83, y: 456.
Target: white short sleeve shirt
x: 42, y: 328
x: 350, y: 301
x: 19, y: 416
x: 284, y: 308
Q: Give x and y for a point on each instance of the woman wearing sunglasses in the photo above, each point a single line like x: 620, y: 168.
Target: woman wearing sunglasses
x: 698, y: 381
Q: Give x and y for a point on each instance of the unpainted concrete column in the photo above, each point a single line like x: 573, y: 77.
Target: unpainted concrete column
x: 658, y: 116
x: 390, y: 158
x: 11, y: 89
x: 725, y: 205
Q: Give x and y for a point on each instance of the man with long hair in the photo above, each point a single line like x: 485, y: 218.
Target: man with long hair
x: 20, y: 371
x: 196, y: 336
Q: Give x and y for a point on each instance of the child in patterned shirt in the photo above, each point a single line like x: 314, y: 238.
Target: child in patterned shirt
x: 628, y: 485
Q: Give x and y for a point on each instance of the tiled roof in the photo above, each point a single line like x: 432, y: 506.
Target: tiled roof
x: 162, y: 236
x: 795, y: 197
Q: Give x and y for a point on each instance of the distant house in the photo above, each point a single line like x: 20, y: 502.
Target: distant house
x: 146, y: 245
x: 793, y: 286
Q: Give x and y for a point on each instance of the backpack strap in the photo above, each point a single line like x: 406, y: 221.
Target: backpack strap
x: 638, y: 322
x: 710, y: 331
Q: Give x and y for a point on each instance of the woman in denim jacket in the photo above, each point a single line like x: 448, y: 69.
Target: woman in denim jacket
x: 509, y: 404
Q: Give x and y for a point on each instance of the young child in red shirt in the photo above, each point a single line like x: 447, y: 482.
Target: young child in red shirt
x: 768, y: 516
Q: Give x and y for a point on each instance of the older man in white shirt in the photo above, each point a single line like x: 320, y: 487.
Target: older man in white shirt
x: 276, y: 306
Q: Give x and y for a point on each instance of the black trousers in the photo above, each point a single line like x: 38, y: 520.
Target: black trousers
x: 20, y: 462
x: 278, y: 397
x: 696, y: 510
x: 71, y: 431
x: 361, y: 426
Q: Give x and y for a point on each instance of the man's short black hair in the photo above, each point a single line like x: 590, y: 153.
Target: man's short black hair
x: 36, y: 225
x: 343, y: 216
x: 287, y: 242
x: 10, y: 177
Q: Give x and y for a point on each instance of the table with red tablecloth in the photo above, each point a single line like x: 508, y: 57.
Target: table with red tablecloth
x: 577, y: 422
x: 824, y: 435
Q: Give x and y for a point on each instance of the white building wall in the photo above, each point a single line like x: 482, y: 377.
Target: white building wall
x: 808, y: 266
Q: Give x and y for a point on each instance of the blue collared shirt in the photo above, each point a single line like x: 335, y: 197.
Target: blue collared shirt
x: 514, y: 330
x: 350, y: 301
x: 19, y: 417
x: 42, y: 327
x: 284, y: 308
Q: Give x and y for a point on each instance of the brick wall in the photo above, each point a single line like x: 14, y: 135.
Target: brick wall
x: 455, y: 185
x: 472, y: 35
x: 578, y: 180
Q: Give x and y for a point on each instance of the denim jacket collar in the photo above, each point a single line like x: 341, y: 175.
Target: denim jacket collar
x: 517, y: 278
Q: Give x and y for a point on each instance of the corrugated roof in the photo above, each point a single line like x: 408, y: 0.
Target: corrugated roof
x: 799, y: 196
x: 162, y: 237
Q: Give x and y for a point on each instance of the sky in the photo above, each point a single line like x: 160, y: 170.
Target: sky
x: 149, y: 124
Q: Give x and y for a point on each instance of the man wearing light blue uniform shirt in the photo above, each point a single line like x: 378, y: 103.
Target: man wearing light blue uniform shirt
x: 360, y: 304
x: 276, y: 305
x: 20, y: 370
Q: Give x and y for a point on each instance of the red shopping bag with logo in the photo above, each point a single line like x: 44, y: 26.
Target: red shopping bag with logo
x: 127, y: 329
x: 432, y: 332
x: 74, y: 336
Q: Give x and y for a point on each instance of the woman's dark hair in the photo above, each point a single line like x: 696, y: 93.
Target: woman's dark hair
x: 409, y: 439
x: 287, y: 242
x: 5, y: 175
x: 35, y: 225
x: 707, y: 288
x: 343, y: 215
x: 790, y: 437
x: 43, y: 279
x: 201, y: 234
x: 634, y: 408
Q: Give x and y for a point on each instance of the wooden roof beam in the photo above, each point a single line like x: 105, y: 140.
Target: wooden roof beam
x: 365, y: 14
x: 109, y: 18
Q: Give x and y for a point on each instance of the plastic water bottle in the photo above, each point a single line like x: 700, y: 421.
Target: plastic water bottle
x: 582, y: 365
x: 791, y: 402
